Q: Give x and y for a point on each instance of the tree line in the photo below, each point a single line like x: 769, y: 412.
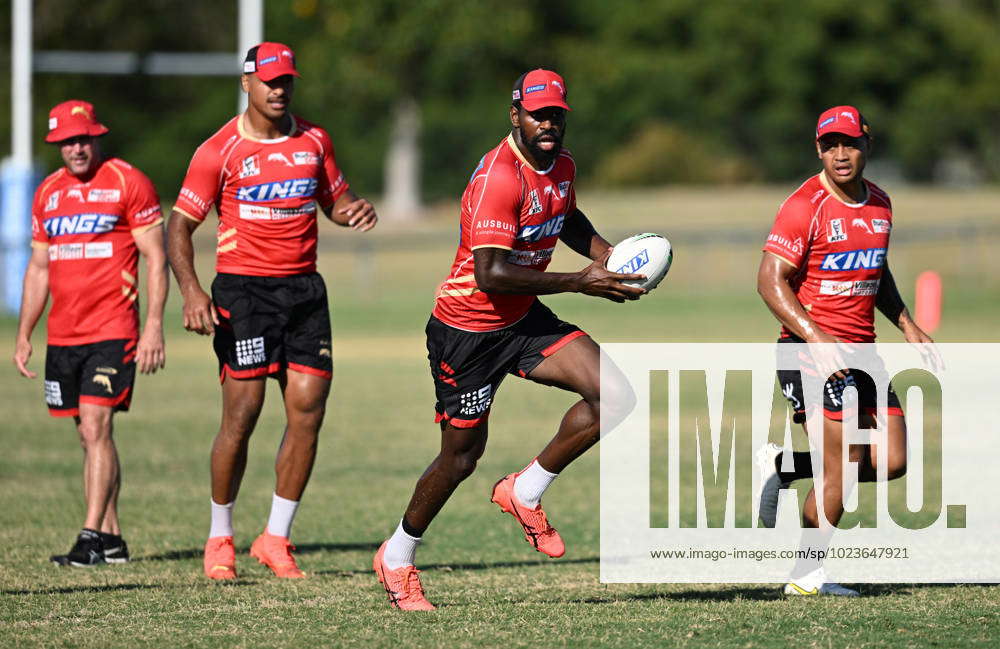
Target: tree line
x: 663, y: 91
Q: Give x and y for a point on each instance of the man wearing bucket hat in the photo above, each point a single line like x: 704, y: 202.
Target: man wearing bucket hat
x: 264, y: 171
x: 90, y: 221
x: 488, y: 322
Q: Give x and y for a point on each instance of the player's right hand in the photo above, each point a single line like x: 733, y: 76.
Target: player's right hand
x: 598, y: 281
x: 200, y: 315
x: 827, y: 352
x: 22, y: 352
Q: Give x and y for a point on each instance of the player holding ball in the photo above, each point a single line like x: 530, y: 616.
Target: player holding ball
x: 488, y: 322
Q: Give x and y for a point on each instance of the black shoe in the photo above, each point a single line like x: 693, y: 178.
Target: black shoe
x: 87, y: 551
x: 115, y: 548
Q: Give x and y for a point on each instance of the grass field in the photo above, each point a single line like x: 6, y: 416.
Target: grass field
x: 493, y: 590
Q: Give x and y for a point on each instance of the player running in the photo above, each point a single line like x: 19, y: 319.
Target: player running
x: 488, y: 322
x: 90, y: 220
x: 265, y: 170
x: 824, y: 271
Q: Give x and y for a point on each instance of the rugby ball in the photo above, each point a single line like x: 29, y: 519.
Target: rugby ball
x: 646, y: 254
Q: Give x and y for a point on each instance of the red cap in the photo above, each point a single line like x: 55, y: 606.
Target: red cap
x: 72, y: 118
x: 270, y: 61
x: 540, y: 89
x: 841, y: 119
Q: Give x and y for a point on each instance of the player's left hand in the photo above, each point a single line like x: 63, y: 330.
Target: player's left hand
x: 150, y: 354
x: 22, y: 352
x: 360, y: 215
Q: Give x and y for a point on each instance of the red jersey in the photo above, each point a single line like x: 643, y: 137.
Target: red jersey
x: 265, y: 192
x: 840, y: 250
x: 89, y: 229
x: 509, y: 205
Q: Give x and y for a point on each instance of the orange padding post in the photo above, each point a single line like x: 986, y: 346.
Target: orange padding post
x: 929, y: 300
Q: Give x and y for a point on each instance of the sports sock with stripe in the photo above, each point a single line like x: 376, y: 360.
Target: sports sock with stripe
x: 802, y: 461
x: 282, y: 515
x: 401, y: 549
x: 222, y: 520
x: 532, y: 483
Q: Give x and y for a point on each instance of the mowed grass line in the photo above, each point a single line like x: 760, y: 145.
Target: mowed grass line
x: 492, y: 588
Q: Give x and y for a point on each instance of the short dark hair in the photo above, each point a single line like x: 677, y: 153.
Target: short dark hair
x: 516, y: 103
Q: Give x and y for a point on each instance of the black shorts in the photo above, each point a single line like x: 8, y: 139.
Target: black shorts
x: 468, y: 366
x: 833, y: 392
x: 267, y: 324
x: 101, y: 373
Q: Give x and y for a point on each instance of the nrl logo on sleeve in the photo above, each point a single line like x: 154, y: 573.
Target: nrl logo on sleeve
x: 837, y: 232
x: 563, y: 186
x: 250, y: 167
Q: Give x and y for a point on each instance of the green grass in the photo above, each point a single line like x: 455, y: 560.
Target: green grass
x: 492, y: 588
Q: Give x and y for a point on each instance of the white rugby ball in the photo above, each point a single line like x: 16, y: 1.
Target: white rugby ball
x: 646, y: 254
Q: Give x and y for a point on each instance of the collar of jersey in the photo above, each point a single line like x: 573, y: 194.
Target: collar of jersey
x: 826, y: 185
x: 513, y: 147
x: 246, y: 136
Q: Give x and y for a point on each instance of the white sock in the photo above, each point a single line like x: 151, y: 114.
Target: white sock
x: 400, y: 549
x: 222, y: 520
x: 282, y: 515
x: 532, y: 483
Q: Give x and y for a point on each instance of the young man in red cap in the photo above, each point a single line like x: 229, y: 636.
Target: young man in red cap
x: 265, y: 171
x: 488, y: 322
x: 824, y: 271
x: 90, y: 220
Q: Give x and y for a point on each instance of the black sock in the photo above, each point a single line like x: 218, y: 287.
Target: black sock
x: 412, y: 531
x: 803, y: 467
x: 110, y: 538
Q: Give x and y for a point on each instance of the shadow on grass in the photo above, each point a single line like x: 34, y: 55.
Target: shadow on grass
x: 305, y: 548
x: 756, y: 593
x: 68, y: 590
x: 877, y: 590
x: 484, y: 565
x: 451, y: 567
x: 759, y: 593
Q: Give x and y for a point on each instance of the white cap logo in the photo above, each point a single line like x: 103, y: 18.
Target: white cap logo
x: 53, y: 122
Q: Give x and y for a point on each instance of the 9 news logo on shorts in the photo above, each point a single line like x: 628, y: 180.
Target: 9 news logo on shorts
x: 906, y: 457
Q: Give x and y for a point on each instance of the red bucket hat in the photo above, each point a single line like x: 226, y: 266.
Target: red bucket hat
x: 71, y: 119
